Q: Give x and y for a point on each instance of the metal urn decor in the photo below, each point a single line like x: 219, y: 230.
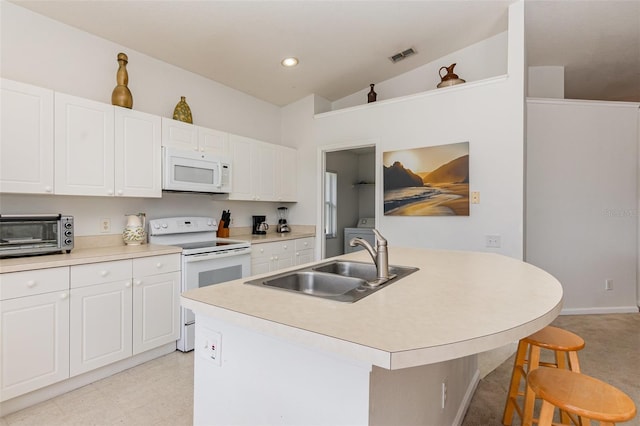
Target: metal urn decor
x: 372, y: 95
x: 182, y: 112
x: 449, y: 79
x: 121, y: 95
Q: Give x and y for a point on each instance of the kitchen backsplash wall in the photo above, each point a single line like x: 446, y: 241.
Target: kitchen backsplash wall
x: 88, y: 212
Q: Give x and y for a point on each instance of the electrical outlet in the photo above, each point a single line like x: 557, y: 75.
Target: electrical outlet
x: 444, y: 393
x: 105, y: 225
x: 608, y: 284
x: 475, y: 197
x: 493, y: 241
x: 210, y: 346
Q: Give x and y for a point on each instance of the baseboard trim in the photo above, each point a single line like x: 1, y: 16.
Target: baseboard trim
x: 466, y: 401
x: 605, y: 310
x: 72, y: 383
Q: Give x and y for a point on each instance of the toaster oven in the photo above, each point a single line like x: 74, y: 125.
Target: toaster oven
x: 27, y: 235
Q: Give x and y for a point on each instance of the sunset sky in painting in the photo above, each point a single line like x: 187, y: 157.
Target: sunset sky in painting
x: 426, y: 159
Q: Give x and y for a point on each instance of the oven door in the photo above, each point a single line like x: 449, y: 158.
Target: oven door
x: 207, y: 269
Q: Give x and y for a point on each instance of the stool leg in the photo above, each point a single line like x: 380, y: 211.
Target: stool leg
x: 516, y: 375
x: 529, y: 395
x: 546, y: 414
x: 574, y: 364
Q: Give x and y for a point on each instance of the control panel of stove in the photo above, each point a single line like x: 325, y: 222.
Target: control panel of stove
x: 179, y: 225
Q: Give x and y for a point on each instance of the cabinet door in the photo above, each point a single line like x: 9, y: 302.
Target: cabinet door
x: 178, y: 134
x: 137, y: 154
x: 213, y: 141
x: 100, y: 325
x: 286, y: 174
x: 34, y: 342
x: 284, y: 256
x: 156, y: 311
x: 305, y: 256
x: 26, y: 138
x: 264, y: 176
x: 84, y: 150
x: 242, y: 169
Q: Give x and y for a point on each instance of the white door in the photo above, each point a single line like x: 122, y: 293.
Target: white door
x: 34, y: 342
x: 213, y: 141
x: 137, y: 153
x: 178, y: 134
x: 100, y: 325
x: 84, y: 150
x: 26, y: 138
x: 156, y: 311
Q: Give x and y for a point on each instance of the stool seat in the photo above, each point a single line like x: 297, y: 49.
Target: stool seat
x: 580, y: 394
x: 564, y: 345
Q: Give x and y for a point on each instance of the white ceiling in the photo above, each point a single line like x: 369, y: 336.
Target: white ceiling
x: 345, y: 45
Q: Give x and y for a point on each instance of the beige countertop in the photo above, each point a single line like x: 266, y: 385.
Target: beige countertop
x: 459, y: 303
x: 273, y: 237
x: 81, y: 256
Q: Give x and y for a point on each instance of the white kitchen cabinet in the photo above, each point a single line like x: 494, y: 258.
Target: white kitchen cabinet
x: 84, y: 149
x: 286, y: 174
x: 34, y: 323
x: 305, y: 250
x: 138, y: 161
x: 187, y: 136
x: 258, y: 170
x: 103, y: 150
x: 26, y: 138
x: 101, y: 321
x: 269, y: 257
x: 156, y: 301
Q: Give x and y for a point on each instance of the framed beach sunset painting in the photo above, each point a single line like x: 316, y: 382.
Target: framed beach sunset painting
x: 429, y: 181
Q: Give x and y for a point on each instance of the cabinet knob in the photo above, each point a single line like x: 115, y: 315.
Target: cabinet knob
x: 120, y: 192
x: 275, y: 257
x: 64, y: 296
x: 110, y: 192
x: 104, y: 273
x: 31, y: 283
x: 297, y: 253
x: 127, y: 284
x: 137, y: 282
x: 306, y: 243
x: 261, y: 250
x: 284, y: 247
x: 48, y: 189
x: 159, y: 265
x: 201, y: 149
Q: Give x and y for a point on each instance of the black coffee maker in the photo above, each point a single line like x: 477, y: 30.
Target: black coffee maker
x: 259, y: 225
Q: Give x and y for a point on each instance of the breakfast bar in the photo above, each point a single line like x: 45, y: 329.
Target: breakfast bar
x: 406, y: 354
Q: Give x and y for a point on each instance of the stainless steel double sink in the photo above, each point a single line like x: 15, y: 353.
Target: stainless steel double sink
x: 343, y: 281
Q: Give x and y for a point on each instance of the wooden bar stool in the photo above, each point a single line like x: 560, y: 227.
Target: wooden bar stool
x: 579, y: 394
x: 564, y: 344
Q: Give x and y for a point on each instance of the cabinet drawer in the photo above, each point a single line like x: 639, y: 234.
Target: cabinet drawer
x: 263, y: 249
x: 29, y: 283
x: 98, y: 273
x: 154, y: 265
x: 305, y: 243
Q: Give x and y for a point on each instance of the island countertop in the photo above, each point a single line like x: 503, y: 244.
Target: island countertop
x: 459, y: 303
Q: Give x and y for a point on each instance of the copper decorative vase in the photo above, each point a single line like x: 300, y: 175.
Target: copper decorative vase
x: 121, y: 95
x: 182, y: 112
x: 371, y: 96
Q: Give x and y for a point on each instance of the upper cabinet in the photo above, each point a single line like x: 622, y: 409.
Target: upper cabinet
x: 262, y: 171
x: 26, y: 138
x: 187, y: 136
x: 105, y: 150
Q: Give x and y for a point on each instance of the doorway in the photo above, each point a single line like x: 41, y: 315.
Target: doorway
x: 349, y: 194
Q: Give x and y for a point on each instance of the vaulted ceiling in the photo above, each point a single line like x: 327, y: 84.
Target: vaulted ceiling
x: 344, y: 45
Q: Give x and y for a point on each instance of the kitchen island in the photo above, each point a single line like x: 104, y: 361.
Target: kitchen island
x: 406, y: 354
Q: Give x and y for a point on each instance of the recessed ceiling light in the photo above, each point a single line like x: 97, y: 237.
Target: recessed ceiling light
x: 289, y: 62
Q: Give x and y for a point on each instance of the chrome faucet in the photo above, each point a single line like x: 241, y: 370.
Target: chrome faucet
x: 379, y: 255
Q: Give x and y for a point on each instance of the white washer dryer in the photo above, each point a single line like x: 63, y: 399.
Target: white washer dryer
x: 363, y: 230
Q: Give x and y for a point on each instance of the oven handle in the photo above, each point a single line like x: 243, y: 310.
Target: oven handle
x: 216, y: 255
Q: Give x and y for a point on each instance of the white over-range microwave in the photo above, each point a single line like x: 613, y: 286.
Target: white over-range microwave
x: 191, y: 171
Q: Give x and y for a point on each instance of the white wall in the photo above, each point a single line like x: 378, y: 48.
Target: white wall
x: 582, y: 160
x: 366, y: 193
x: 546, y: 82
x: 46, y: 53
x: 490, y: 115
x: 479, y: 61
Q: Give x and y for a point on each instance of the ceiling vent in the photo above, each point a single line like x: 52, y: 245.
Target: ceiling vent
x: 401, y: 55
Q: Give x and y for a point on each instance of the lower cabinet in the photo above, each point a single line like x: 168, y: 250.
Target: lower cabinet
x: 34, y: 323
x: 269, y: 257
x: 57, y: 323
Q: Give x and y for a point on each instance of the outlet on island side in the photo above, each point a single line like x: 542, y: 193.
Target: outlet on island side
x: 608, y: 284
x: 105, y: 225
x: 493, y: 241
x: 444, y: 393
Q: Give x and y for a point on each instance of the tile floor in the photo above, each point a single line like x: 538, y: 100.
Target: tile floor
x: 158, y: 392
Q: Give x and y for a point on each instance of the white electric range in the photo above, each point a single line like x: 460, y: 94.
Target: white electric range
x: 206, y: 259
